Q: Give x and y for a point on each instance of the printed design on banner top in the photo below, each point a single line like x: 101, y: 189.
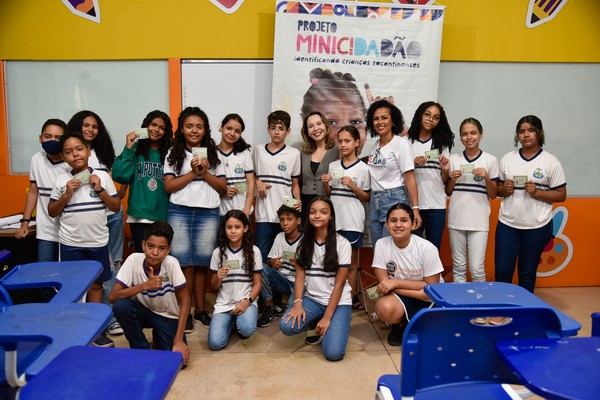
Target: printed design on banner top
x: 88, y: 9
x: 558, y: 252
x: 542, y: 11
x: 227, y: 6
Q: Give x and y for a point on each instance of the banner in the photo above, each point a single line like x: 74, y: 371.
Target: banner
x: 338, y: 58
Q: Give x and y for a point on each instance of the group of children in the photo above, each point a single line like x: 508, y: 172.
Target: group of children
x: 191, y: 201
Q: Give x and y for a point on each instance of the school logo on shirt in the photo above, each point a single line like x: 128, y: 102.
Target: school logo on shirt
x: 478, y: 178
x: 538, y: 173
x: 282, y: 166
x: 355, y: 180
x: 152, y: 184
x: 165, y: 277
x: 239, y: 169
x: 391, y: 267
x: 93, y: 194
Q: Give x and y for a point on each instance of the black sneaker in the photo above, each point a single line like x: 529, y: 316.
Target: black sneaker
x: 395, y: 336
x: 266, y: 317
x: 103, y: 341
x: 312, y: 338
x: 278, y: 311
x: 203, y: 318
x: 189, y: 324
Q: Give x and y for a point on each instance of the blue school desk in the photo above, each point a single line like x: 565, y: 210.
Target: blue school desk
x: 32, y: 335
x: 493, y: 294
x: 71, y: 278
x: 565, y: 368
x: 89, y: 373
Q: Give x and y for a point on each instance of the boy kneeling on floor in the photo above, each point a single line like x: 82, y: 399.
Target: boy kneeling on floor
x: 149, y: 292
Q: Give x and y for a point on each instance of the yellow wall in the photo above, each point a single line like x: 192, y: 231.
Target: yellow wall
x: 156, y: 29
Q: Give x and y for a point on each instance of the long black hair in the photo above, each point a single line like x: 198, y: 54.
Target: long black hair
x: 247, y: 240
x: 178, y: 149
x: 143, y: 146
x: 307, y: 243
x: 102, y: 144
x: 441, y: 135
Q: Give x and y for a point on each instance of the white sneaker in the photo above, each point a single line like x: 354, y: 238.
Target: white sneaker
x: 115, y: 329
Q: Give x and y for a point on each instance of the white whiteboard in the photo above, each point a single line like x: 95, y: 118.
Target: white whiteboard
x: 120, y: 92
x: 565, y: 96
x: 221, y: 87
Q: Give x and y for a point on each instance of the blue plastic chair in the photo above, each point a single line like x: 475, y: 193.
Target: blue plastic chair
x: 89, y: 373
x: 32, y: 335
x: 72, y: 279
x: 446, y: 355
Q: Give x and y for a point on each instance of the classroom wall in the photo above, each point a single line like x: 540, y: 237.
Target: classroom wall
x: 473, y: 31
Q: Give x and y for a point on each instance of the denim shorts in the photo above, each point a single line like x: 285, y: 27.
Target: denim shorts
x: 195, y: 234
x: 355, y: 238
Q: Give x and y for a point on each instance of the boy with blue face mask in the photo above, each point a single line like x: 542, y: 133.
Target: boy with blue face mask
x: 45, y: 167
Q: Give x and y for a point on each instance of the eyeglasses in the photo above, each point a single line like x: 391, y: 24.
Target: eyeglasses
x: 434, y: 118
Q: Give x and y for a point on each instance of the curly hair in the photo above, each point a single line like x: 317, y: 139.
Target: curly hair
x: 241, y: 144
x: 102, y: 144
x: 178, y: 147
x: 326, y: 84
x: 441, y: 135
x: 143, y: 146
x: 309, y: 143
x: 536, y: 123
x: 397, y: 118
x: 247, y: 240
x: 306, y: 246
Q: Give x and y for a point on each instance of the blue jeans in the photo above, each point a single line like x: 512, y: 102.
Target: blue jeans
x: 336, y: 337
x: 380, y: 203
x: 134, y: 317
x: 222, y: 324
x: 525, y: 244
x: 272, y: 279
x: 264, y: 236
x: 47, y: 250
x: 433, y: 225
x: 116, y: 236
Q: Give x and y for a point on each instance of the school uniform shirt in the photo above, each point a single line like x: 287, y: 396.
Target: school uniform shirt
x: 83, y: 220
x: 319, y: 283
x: 469, y: 208
x: 236, y: 166
x: 431, y: 188
x: 147, y: 200
x: 197, y: 193
x: 161, y: 301
x: 388, y: 163
x: 349, y: 210
x: 311, y: 181
x: 237, y: 285
x: 276, y: 169
x: 415, y: 262
x: 97, y: 165
x: 282, y: 248
x: 43, y: 173
x: 520, y: 210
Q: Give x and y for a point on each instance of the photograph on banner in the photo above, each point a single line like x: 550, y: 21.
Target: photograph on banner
x: 337, y: 58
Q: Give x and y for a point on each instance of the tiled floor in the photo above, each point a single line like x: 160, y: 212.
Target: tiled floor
x: 270, y: 365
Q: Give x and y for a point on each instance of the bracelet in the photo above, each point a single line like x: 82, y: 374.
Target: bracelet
x: 100, y: 191
x: 415, y: 207
x: 24, y: 220
x: 297, y: 300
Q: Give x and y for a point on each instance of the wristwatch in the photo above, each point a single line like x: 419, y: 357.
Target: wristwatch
x: 249, y: 300
x: 24, y: 220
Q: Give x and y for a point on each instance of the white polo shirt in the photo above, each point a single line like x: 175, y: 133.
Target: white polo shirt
x: 349, y: 210
x: 432, y: 194
x: 235, y: 166
x: 280, y: 247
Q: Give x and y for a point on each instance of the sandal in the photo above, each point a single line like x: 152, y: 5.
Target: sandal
x: 356, y: 304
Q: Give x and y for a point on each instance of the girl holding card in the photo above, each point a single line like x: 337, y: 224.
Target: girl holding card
x: 195, y: 185
x: 323, y: 258
x: 471, y: 185
x: 525, y: 218
x: 348, y: 184
x: 431, y: 140
x: 317, y: 153
x: 391, y: 167
x: 140, y: 165
x: 236, y: 269
x: 236, y: 157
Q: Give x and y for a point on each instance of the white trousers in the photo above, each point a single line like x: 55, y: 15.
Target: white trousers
x: 473, y: 244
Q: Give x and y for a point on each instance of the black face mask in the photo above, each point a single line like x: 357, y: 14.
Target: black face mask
x: 51, y: 147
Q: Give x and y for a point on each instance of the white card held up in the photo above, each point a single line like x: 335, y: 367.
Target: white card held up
x: 199, y: 152
x: 141, y: 133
